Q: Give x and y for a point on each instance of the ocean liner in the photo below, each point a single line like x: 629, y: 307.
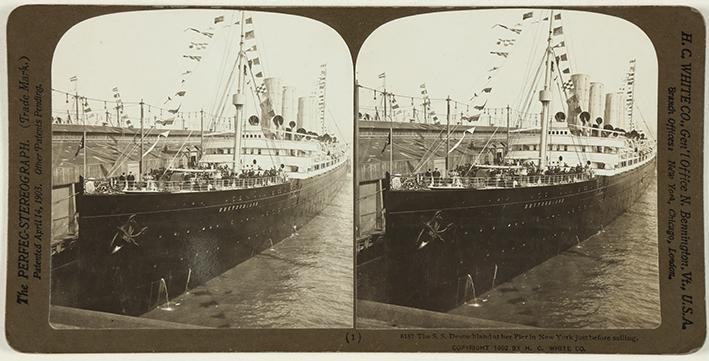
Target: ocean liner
x: 450, y: 238
x: 144, y: 239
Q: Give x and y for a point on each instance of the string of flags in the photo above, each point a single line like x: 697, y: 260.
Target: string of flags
x: 499, y: 56
x: 629, y: 90
x: 322, y: 86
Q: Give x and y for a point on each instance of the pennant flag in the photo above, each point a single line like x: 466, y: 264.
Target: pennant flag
x: 560, y: 45
x: 253, y: 48
x: 493, y: 69
x: 193, y: 57
x: 382, y: 75
x: 198, y: 46
x: 167, y: 121
x: 81, y: 146
x: 568, y: 85
x: 528, y: 15
x: 259, y: 75
x: 506, y: 42
x: 181, y: 93
x: 515, y: 30
x: 163, y: 134
x: 87, y: 110
x: 566, y: 71
x: 207, y: 34
x: 74, y: 78
x: 487, y: 90
x: 249, y: 35
x: 558, y: 31
x: 255, y: 61
x: 563, y: 57
x: 174, y: 111
x: 187, y: 72
x: 218, y: 19
x: 557, y: 17
x: 480, y: 107
x: 471, y: 130
x: 388, y: 142
x: 249, y: 21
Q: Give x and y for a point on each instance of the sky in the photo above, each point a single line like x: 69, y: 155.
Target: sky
x: 450, y: 53
x: 141, y: 53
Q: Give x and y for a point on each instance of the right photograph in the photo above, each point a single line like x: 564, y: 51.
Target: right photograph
x: 507, y: 172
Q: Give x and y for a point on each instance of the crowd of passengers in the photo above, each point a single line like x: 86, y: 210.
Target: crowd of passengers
x: 512, y: 174
x: 210, y: 178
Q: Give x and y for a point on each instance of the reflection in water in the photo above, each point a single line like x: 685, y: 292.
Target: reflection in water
x: 304, y: 281
x: 610, y: 280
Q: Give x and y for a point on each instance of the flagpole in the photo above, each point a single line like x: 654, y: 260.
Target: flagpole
x: 391, y: 140
x: 448, y: 133
x: 201, y: 132
x: 238, y: 99
x: 142, y: 137
x: 507, y: 146
x: 85, y: 146
x: 545, y: 98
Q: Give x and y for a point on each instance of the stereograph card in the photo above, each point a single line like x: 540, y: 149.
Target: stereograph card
x: 357, y: 179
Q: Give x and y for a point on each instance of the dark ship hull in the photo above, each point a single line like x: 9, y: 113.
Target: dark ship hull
x: 135, y: 248
x: 441, y: 244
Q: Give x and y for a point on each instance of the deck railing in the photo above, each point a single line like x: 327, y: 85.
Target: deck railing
x: 421, y: 182
x: 116, y: 186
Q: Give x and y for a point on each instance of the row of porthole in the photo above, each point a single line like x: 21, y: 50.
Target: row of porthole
x: 238, y: 206
x: 545, y: 203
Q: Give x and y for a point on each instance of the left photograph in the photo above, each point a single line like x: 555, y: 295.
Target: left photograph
x: 201, y: 172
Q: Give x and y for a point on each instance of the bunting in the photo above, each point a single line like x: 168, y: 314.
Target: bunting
x: 528, y: 15
x: 506, y: 42
x: 514, y: 30
x: 322, y: 90
x: 500, y: 53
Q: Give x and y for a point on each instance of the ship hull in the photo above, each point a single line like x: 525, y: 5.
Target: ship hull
x: 135, y: 250
x: 443, y: 247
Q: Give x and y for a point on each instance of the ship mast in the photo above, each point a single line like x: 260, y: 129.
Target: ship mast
x: 545, y: 98
x: 239, y: 100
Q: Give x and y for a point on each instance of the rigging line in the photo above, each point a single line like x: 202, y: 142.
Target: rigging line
x: 176, y: 154
x: 441, y: 141
x: 527, y: 93
x: 526, y: 106
x: 219, y: 106
x: 642, y: 117
x: 125, y: 156
x: 222, y: 66
x: 416, y: 96
x: 528, y: 68
x: 482, y: 150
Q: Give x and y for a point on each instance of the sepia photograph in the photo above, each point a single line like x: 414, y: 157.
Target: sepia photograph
x: 201, y: 172
x: 507, y: 172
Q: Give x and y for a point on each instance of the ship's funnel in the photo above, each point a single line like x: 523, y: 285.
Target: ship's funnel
x: 307, y: 113
x: 582, y: 89
x: 290, y: 104
x: 614, y: 110
x: 274, y: 92
x: 596, y: 100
